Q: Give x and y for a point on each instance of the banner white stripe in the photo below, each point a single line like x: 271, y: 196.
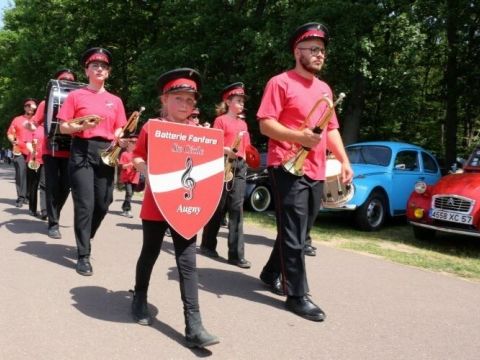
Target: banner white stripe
x: 173, y: 181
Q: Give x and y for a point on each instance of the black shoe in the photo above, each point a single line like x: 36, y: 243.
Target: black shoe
x: 43, y: 215
x: 208, y: 252
x: 33, y: 213
x: 19, y: 203
x: 54, y: 233
x: 242, y: 263
x: 140, y: 312
x: 195, y: 333
x: 273, y: 282
x: 304, y: 307
x: 309, y: 250
x: 84, y: 267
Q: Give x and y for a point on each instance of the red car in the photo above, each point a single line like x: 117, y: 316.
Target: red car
x: 452, y: 205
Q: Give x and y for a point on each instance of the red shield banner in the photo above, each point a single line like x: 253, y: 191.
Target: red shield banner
x: 185, y: 172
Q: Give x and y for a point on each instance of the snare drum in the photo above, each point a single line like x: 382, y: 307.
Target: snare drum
x: 57, y: 91
x: 335, y: 193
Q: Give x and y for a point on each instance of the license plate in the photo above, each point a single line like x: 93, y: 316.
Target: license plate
x: 451, y: 216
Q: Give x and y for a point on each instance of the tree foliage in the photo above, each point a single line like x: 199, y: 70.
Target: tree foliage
x: 410, y: 68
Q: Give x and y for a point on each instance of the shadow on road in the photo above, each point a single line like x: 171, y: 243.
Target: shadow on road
x: 25, y: 226
x: 10, y: 201
x: 108, y: 305
x: 63, y: 255
x: 231, y: 283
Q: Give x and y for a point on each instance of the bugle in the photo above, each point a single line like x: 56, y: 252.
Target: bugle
x: 33, y: 163
x: 86, y: 119
x: 110, y: 155
x: 228, y: 161
x: 294, y: 164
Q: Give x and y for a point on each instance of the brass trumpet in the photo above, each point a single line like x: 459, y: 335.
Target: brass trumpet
x: 294, y: 165
x: 86, y: 119
x: 33, y: 163
x: 229, y: 161
x: 110, y: 155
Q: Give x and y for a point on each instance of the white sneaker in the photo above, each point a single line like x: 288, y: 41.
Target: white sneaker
x: 128, y: 214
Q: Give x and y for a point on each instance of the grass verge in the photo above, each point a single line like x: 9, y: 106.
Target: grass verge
x: 452, y: 254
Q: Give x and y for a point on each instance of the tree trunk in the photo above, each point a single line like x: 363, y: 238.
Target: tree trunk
x: 451, y: 118
x: 353, y: 113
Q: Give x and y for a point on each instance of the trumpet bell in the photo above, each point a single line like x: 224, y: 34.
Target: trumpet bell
x: 33, y: 165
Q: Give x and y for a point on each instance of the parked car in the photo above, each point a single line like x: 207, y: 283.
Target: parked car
x: 452, y: 205
x: 258, y: 192
x: 385, y: 174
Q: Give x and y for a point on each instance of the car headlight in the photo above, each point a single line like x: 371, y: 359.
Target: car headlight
x: 420, y: 187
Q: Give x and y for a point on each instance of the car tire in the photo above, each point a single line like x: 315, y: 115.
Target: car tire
x: 371, y: 215
x: 260, y: 199
x: 421, y: 233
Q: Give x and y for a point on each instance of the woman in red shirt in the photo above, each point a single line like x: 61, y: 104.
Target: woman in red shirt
x: 235, y: 129
x: 91, y: 180
x: 179, y: 93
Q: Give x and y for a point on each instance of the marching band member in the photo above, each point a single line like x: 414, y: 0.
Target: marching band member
x: 286, y: 102
x: 129, y: 176
x: 18, y: 134
x: 36, y: 173
x: 229, y: 119
x: 179, y: 90
x: 55, y: 165
x: 91, y: 180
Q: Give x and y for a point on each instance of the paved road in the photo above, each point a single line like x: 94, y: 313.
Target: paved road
x: 376, y: 309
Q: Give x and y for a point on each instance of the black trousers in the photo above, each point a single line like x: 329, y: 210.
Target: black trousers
x: 185, y: 257
x: 36, y: 188
x: 20, y: 166
x: 57, y: 187
x: 296, y: 199
x: 232, y: 199
x: 92, y: 189
x: 127, y: 206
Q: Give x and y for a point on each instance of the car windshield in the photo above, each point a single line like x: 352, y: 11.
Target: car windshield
x: 474, y: 160
x: 369, y: 154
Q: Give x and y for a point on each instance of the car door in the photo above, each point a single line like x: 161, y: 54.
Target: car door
x: 406, y: 172
x: 431, y: 170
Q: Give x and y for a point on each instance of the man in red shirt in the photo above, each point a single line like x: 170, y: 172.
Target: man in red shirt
x: 57, y: 184
x: 287, y: 101
x: 18, y: 135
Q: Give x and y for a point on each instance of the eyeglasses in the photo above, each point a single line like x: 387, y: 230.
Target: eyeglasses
x: 315, y: 50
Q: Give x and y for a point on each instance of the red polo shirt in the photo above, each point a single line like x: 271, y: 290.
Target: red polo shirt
x: 39, y: 119
x: 231, y: 128
x: 83, y: 102
x: 21, y: 134
x: 288, y: 98
x: 128, y: 174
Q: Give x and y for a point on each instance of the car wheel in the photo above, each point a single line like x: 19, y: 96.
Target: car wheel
x: 371, y: 215
x: 421, y: 233
x: 260, y: 199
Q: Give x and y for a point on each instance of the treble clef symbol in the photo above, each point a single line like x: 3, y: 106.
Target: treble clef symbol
x: 187, y: 182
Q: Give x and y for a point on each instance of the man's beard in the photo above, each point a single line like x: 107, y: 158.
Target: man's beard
x: 305, y: 63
